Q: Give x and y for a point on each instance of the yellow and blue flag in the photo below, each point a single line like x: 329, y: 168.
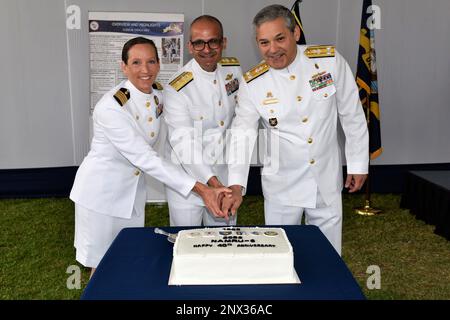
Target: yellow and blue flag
x: 296, y: 12
x: 366, y: 78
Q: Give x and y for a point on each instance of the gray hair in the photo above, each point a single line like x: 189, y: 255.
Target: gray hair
x: 273, y: 12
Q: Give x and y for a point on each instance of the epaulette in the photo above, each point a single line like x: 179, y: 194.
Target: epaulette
x: 182, y: 80
x: 229, y: 62
x: 320, y: 51
x: 158, y: 86
x: 122, y: 96
x: 256, y: 71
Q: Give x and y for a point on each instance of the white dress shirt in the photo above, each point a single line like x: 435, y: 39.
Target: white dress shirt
x: 300, y: 106
x: 110, y: 179
x: 197, y: 114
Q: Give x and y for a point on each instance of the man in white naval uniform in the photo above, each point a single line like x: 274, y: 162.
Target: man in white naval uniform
x: 299, y: 93
x: 109, y: 189
x: 199, y: 107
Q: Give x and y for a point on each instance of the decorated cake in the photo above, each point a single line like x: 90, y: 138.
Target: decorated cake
x: 232, y: 255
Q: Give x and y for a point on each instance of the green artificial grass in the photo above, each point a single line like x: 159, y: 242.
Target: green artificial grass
x: 414, y: 262
x: 36, y: 248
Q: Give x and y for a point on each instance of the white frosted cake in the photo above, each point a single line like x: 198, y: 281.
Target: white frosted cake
x: 232, y: 255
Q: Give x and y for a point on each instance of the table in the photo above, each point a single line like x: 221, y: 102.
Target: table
x: 137, y: 266
x: 427, y: 196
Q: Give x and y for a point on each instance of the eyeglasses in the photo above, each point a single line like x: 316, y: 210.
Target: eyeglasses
x: 199, y: 45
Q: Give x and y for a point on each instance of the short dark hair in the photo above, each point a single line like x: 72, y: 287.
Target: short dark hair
x: 132, y: 42
x: 273, y: 12
x: 210, y: 19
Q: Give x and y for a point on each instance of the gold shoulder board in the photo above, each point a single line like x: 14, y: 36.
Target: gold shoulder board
x: 182, y: 80
x: 122, y: 96
x: 158, y: 86
x: 229, y: 62
x: 255, y: 72
x: 320, y: 51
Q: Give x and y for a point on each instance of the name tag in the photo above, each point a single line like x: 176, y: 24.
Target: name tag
x: 270, y: 101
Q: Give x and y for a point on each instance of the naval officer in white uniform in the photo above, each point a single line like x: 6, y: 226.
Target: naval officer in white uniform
x: 199, y: 107
x: 109, y: 189
x: 300, y: 93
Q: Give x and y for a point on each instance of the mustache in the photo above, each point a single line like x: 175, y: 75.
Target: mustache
x: 275, y: 54
x: 208, y: 55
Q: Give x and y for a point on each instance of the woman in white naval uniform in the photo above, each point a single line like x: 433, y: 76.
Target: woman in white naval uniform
x: 109, y: 189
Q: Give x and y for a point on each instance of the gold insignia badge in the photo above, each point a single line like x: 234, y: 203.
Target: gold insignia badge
x: 318, y: 74
x: 229, y: 62
x: 159, y: 110
x: 229, y: 77
x: 156, y: 100
x: 158, y: 86
x: 273, y: 122
x: 122, y: 96
x: 320, y: 52
x: 255, y: 72
x: 182, y: 80
x: 269, y: 95
x: 270, y: 101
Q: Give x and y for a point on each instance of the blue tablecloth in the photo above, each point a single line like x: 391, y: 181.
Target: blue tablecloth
x: 137, y: 266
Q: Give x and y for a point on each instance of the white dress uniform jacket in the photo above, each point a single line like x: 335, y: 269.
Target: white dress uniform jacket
x: 199, y: 107
x: 300, y: 107
x: 110, y: 180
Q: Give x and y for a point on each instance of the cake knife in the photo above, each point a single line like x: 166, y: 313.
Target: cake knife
x: 171, y: 237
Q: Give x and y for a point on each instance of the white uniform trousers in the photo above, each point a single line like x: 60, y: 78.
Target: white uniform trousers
x: 94, y: 233
x: 189, y: 214
x: 327, y: 218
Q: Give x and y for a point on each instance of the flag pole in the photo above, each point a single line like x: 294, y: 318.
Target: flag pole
x: 366, y: 79
x: 367, y: 210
